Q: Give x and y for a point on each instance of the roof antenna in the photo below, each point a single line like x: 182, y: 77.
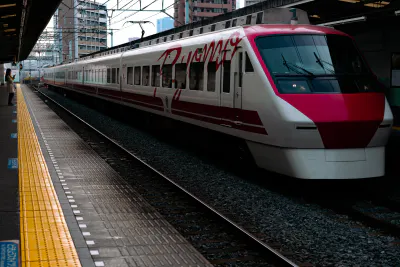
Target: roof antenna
x: 294, y: 20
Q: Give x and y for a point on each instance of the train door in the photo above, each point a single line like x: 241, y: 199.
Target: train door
x: 226, y: 92
x: 237, y: 66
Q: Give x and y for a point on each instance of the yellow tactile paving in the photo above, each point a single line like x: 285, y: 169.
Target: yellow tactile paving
x: 45, y: 239
x: 396, y: 128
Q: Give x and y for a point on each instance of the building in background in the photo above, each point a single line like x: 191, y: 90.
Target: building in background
x: 81, y: 29
x: 188, y: 11
x: 164, y: 24
x: 251, y: 2
x: 133, y: 39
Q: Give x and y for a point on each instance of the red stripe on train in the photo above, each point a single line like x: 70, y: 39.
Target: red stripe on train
x: 246, y: 116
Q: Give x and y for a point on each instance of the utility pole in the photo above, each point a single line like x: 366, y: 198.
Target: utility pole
x: 111, y: 30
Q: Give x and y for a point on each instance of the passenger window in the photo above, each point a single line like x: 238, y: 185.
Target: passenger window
x: 180, y: 76
x: 227, y: 24
x: 167, y: 76
x: 117, y: 75
x: 196, y: 76
x: 146, y: 75
x: 114, y: 76
x: 259, y: 18
x: 108, y: 75
x: 129, y: 75
x: 137, y: 75
x: 211, y: 70
x: 234, y: 22
x: 155, y: 78
x: 248, y: 66
x: 248, y: 19
x: 240, y: 68
x: 213, y: 27
x: 227, y: 76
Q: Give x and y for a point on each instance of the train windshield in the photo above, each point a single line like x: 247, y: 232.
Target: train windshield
x: 316, y: 64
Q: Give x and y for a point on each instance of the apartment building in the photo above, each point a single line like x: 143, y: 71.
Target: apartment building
x: 252, y: 2
x: 82, y: 28
x: 187, y: 11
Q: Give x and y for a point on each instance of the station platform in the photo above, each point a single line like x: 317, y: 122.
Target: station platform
x: 63, y: 205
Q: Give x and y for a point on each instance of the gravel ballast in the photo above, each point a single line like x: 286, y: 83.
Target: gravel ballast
x: 313, y: 234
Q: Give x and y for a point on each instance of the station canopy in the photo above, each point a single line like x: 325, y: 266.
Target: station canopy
x: 21, y: 23
x: 344, y: 12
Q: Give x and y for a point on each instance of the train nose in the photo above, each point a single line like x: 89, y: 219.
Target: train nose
x: 347, y: 134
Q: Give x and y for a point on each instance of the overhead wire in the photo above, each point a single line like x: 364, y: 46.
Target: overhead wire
x: 165, y: 9
x: 134, y: 12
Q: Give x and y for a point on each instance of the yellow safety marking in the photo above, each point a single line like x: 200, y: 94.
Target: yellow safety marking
x: 45, y: 238
x: 396, y: 128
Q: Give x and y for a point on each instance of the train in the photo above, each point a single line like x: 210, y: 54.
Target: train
x: 302, y: 97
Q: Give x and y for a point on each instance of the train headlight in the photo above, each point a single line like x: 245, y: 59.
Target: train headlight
x: 293, y: 87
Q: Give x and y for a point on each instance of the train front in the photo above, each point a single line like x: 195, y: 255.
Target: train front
x: 335, y: 118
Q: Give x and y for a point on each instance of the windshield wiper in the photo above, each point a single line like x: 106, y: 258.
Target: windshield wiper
x: 290, y: 66
x: 319, y: 61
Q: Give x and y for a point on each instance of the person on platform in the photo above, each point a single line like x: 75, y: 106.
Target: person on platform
x: 10, y: 86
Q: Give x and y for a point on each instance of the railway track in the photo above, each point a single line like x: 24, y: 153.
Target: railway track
x: 222, y: 241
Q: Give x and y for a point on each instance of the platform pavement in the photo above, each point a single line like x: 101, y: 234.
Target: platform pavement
x: 57, y: 220
x: 9, y: 196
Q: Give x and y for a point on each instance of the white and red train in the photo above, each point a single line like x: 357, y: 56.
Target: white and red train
x: 301, y: 96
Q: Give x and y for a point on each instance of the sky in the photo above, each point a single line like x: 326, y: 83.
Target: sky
x: 123, y: 32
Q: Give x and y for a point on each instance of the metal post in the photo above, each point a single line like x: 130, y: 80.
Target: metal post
x: 187, y: 12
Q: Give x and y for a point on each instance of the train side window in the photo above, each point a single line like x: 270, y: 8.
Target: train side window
x: 211, y: 70
x: 113, y: 76
x: 146, y: 75
x: 196, y: 76
x: 181, y: 35
x: 137, y: 75
x: 248, y: 19
x: 248, y: 66
x: 129, y: 75
x: 190, y: 32
x: 117, y: 75
x: 213, y: 27
x: 234, y: 22
x: 227, y: 76
x: 227, y: 24
x: 108, y: 75
x: 240, y: 69
x: 259, y: 18
x: 167, y: 76
x: 180, y: 76
x: 155, y: 75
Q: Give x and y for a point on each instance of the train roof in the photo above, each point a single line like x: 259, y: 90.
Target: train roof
x: 249, y: 30
x: 267, y: 29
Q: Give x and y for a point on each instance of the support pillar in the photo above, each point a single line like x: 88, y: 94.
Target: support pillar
x: 2, y: 73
